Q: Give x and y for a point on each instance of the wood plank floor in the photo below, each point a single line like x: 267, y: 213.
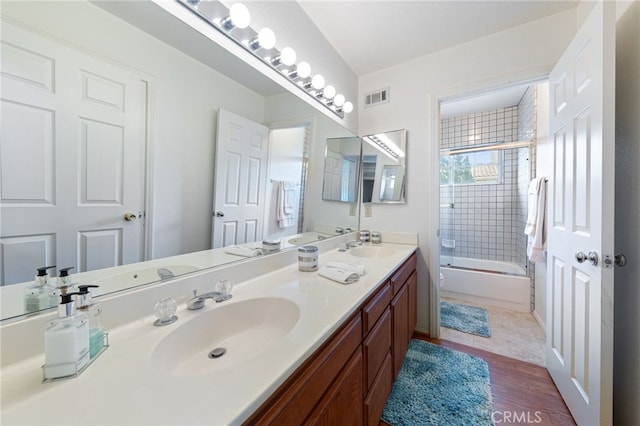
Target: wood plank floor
x: 523, y: 393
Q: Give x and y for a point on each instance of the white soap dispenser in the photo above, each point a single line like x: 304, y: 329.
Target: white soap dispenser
x: 37, y: 296
x: 94, y: 313
x: 66, y: 341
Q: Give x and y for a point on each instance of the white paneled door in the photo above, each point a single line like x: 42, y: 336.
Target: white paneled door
x: 241, y: 171
x: 72, y: 158
x: 581, y: 213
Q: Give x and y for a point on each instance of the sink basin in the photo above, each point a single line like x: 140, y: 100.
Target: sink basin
x: 244, y: 329
x: 372, y: 251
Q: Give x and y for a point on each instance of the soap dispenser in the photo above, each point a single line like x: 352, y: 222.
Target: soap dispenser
x: 94, y: 313
x: 64, y: 283
x: 37, y: 296
x: 66, y: 341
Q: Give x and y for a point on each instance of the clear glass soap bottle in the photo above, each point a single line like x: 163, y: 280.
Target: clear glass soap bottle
x: 94, y: 314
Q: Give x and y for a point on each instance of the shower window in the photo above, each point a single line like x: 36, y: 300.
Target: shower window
x: 471, y: 168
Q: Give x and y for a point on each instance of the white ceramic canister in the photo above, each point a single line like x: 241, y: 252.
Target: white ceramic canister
x: 307, y: 258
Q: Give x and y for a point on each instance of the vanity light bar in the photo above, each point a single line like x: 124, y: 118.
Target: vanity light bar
x: 235, y: 24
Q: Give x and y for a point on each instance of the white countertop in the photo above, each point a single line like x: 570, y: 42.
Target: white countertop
x: 123, y: 387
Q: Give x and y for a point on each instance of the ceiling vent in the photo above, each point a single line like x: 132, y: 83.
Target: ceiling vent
x: 377, y: 97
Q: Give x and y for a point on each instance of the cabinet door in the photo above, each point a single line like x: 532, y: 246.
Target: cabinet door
x: 412, y: 288
x: 343, y: 402
x: 400, y: 324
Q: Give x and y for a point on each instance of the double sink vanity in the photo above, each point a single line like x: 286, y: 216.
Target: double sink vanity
x: 298, y: 348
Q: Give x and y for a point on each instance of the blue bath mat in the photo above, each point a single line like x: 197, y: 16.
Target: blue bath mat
x: 465, y: 318
x: 439, y: 386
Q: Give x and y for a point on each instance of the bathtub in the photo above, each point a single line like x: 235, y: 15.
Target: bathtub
x: 474, y: 280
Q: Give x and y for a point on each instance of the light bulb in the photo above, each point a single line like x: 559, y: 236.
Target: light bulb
x: 240, y: 16
x: 303, y: 69
x: 317, y: 82
x: 329, y: 92
x: 339, y: 100
x: 348, y: 107
x: 266, y: 38
x: 288, y: 56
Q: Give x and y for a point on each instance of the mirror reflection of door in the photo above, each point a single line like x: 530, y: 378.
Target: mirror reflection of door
x: 392, y: 183
x: 384, y: 167
x: 341, y: 163
x: 73, y: 159
x: 241, y: 170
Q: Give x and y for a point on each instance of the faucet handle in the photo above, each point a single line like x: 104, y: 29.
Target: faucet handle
x: 195, y: 293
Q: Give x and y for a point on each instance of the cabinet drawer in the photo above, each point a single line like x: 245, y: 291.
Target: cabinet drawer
x: 375, y: 307
x: 377, y: 398
x: 376, y: 346
x: 402, y: 273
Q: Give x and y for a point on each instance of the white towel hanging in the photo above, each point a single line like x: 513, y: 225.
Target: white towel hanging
x: 535, y: 228
x: 285, y: 205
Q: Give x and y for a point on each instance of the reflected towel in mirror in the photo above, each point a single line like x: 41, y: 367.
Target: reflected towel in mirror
x: 243, y: 251
x: 285, y: 207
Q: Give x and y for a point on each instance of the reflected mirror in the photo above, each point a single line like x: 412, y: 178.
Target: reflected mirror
x: 384, y: 167
x: 178, y: 81
x: 341, y: 170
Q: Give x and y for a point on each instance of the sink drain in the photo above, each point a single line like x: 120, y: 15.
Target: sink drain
x: 217, y: 353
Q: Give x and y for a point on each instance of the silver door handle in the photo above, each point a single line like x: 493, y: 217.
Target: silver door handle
x: 592, y: 257
x: 219, y: 214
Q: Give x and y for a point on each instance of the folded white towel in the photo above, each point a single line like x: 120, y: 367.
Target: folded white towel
x: 342, y: 276
x: 358, y: 269
x: 243, y: 251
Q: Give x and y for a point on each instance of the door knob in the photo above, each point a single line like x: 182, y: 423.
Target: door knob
x: 591, y: 257
x: 219, y: 214
x: 129, y: 217
x: 621, y: 260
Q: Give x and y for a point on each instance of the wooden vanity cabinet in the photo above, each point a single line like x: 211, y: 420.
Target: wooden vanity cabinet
x: 349, y: 378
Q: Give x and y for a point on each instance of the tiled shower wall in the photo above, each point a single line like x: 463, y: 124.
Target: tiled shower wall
x: 484, y: 219
x: 487, y: 221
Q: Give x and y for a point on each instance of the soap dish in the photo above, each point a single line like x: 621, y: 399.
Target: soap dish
x: 78, y: 371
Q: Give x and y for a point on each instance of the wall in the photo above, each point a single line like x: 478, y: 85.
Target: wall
x: 521, y: 53
x: 626, y: 370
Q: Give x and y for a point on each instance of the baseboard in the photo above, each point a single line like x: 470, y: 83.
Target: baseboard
x: 539, y: 321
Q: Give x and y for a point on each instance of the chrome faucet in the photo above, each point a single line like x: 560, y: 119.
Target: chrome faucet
x: 352, y: 244
x: 197, y: 302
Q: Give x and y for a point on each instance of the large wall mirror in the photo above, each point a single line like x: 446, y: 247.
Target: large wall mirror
x: 384, y: 167
x: 149, y: 92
